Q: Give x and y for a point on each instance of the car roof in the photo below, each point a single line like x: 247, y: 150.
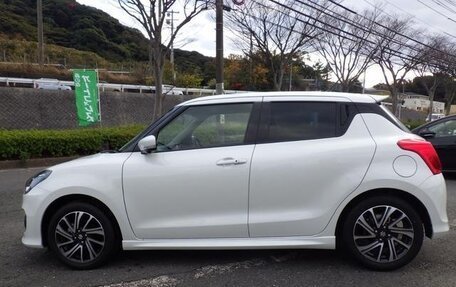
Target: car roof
x: 349, y: 97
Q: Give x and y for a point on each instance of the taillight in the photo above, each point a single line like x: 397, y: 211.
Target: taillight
x: 425, y: 150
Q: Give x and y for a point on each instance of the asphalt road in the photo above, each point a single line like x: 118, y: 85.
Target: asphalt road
x: 20, y: 266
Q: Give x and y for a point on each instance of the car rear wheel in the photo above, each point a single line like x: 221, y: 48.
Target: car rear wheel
x: 383, y: 233
x: 81, y: 235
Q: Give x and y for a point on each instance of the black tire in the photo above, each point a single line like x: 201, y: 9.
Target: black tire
x: 372, y: 247
x: 94, y: 230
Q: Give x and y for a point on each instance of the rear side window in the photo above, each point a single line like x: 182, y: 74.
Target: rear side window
x: 294, y: 121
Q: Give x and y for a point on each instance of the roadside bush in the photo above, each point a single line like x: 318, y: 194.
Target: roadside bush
x: 411, y: 124
x: 25, y: 144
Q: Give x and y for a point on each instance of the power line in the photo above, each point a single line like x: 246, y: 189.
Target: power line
x: 349, y: 21
x: 343, y: 7
x: 443, y: 5
x: 436, y: 11
x: 403, y: 35
x: 392, y: 51
x: 410, y: 14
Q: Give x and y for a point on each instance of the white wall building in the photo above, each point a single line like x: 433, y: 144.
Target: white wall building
x: 421, y: 103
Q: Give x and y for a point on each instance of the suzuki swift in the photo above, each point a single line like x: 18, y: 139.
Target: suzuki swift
x: 248, y: 171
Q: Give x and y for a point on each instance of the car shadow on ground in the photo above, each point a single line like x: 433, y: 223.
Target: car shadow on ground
x: 218, y: 262
x: 193, y: 259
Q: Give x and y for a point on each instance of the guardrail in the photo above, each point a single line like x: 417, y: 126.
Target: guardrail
x: 168, y: 89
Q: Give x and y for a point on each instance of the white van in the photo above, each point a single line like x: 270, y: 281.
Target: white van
x: 51, y: 84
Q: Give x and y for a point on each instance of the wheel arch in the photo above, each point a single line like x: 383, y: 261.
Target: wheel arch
x: 56, y: 204
x: 410, y: 198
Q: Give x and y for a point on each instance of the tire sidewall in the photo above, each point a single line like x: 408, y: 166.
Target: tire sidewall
x: 364, y: 205
x: 110, y: 238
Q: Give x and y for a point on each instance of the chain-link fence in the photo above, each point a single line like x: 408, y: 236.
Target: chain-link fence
x: 22, y: 108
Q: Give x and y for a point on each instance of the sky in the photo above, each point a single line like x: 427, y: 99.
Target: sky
x: 199, y: 35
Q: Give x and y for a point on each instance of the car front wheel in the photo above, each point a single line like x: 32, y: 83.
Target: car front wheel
x: 81, y: 235
x: 383, y: 233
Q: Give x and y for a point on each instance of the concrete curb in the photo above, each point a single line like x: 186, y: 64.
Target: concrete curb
x: 34, y: 162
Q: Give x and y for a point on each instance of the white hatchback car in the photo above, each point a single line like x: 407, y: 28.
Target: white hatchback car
x: 258, y: 170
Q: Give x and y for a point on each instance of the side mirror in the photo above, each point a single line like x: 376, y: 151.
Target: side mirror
x: 147, y: 144
x: 427, y: 134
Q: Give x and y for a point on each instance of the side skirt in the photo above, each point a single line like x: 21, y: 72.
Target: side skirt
x: 323, y: 242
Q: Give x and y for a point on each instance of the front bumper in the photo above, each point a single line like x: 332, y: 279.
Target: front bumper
x: 34, y: 211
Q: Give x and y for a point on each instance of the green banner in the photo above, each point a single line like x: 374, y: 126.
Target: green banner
x: 87, y: 104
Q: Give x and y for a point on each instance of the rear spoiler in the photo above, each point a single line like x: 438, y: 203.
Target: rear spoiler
x: 379, y: 98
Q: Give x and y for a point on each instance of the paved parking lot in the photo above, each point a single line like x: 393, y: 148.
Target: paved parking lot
x: 20, y: 266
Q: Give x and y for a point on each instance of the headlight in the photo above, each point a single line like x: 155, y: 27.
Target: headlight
x: 37, y: 178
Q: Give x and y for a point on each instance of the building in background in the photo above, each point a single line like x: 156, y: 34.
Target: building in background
x: 421, y: 103
x: 453, y: 110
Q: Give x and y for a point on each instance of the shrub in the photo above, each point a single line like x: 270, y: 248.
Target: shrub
x: 411, y: 124
x: 24, y: 144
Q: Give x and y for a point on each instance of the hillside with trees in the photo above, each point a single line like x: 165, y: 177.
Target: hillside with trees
x: 79, y: 27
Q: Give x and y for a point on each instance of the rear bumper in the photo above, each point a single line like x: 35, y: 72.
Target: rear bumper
x: 435, y: 200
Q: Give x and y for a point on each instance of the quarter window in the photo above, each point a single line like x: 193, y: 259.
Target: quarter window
x: 206, y: 126
x: 294, y: 121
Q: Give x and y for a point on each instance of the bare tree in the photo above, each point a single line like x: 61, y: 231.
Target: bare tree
x: 397, y: 54
x: 346, y: 45
x: 277, y: 31
x: 448, y: 62
x: 431, y: 70
x: 151, y: 14
x: 450, y: 93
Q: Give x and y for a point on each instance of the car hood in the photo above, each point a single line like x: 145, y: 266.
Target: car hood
x: 94, y: 160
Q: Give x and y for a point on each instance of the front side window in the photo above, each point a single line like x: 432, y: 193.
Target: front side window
x: 444, y: 129
x: 206, y: 126
x: 294, y: 121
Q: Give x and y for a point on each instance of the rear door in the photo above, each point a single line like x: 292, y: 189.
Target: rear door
x: 444, y: 142
x: 311, y: 154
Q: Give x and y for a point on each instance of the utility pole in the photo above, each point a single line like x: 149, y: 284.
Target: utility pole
x: 219, y: 46
x: 171, y: 57
x: 291, y: 75
x: 251, y: 60
x: 39, y: 12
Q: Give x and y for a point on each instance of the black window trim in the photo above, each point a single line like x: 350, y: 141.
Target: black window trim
x: 376, y: 108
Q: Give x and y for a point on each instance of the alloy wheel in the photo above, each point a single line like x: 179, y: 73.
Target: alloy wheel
x: 80, y: 237
x: 383, y: 234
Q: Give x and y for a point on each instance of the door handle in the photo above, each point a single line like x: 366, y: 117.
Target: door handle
x: 230, y: 161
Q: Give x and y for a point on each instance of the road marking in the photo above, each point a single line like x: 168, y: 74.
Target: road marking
x: 227, y: 268
x: 160, y: 281
x: 453, y: 224
x: 285, y: 257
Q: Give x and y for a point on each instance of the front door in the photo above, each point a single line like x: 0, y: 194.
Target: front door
x: 195, y: 185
